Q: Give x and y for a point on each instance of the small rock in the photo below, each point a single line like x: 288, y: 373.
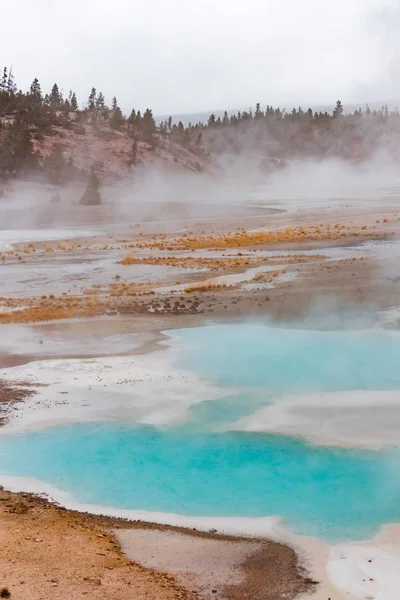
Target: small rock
x: 94, y: 580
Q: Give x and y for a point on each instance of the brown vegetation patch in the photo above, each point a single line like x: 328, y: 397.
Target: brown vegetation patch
x: 216, y: 264
x: 51, y: 309
x: 205, y: 287
x: 242, y: 238
x: 212, y: 264
x: 131, y: 289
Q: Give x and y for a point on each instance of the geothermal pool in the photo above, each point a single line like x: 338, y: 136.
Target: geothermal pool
x: 209, y: 461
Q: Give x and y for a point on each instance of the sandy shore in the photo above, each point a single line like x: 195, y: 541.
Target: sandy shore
x: 47, y: 553
x: 220, y: 567
x: 155, y: 562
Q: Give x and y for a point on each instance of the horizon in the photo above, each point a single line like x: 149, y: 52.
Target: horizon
x: 329, y: 107
x: 184, y: 58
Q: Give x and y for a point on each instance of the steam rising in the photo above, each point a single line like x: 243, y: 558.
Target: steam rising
x: 158, y: 194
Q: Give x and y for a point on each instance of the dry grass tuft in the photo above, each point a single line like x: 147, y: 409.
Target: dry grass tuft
x: 204, y: 287
x: 243, y: 238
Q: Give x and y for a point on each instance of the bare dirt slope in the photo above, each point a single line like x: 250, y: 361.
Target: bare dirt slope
x: 110, y: 151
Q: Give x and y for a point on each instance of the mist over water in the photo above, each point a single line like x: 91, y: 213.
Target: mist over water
x: 294, y: 360
x: 201, y: 466
x: 233, y: 185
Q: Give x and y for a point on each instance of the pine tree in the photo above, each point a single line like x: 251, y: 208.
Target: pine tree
x: 35, y: 93
x: 132, y: 117
x: 114, y: 104
x: 100, y: 101
x: 338, y: 110
x: 16, y: 149
x: 91, y: 195
x: 163, y: 128
x: 55, y: 98
x: 11, y: 86
x: 74, y: 102
x: 7, y: 158
x: 92, y: 99
x: 148, y: 127
x: 117, y: 119
x: 181, y: 129
x: 4, y: 79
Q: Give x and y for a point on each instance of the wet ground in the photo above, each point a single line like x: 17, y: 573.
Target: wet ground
x: 120, y: 268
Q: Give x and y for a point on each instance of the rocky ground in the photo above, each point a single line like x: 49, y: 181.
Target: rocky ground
x: 49, y: 553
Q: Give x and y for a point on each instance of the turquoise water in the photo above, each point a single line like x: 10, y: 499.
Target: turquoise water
x: 192, y: 469
x: 326, y: 492
x: 293, y: 360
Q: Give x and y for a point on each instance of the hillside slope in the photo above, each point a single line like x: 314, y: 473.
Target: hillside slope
x: 110, y: 151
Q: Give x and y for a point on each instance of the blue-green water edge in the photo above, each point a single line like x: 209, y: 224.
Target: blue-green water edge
x: 192, y: 469
x: 325, y: 492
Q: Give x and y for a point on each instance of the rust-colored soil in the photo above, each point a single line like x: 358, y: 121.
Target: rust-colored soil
x: 47, y: 553
x: 50, y: 553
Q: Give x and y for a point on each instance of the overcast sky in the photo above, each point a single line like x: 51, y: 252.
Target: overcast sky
x: 179, y: 56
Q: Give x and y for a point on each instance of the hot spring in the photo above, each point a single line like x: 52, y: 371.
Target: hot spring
x: 227, y: 456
